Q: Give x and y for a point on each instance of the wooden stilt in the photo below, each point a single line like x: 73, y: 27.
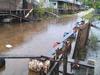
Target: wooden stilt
x: 64, y: 63
x: 87, y: 71
x: 20, y: 17
x: 57, y: 66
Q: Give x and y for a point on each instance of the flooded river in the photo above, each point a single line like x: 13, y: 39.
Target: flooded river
x: 30, y: 39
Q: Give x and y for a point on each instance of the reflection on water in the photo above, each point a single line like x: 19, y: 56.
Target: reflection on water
x: 30, y: 39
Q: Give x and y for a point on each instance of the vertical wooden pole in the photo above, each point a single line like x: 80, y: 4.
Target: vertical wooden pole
x: 20, y: 16
x: 57, y: 69
x: 51, y: 65
x: 24, y: 11
x: 25, y: 4
x: 57, y: 66
x: 87, y: 71
x: 87, y: 34
x: 65, y: 64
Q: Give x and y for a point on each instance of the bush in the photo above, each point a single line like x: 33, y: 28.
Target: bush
x: 49, y: 9
x: 88, y: 16
x: 93, y: 41
x: 39, y: 11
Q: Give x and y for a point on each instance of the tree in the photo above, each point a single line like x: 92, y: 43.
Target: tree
x: 91, y: 3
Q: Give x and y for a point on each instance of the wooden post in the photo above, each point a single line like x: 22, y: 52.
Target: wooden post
x: 87, y: 34
x: 87, y: 71
x: 24, y: 12
x: 57, y: 69
x: 20, y: 16
x: 65, y: 64
x: 57, y: 66
x: 51, y: 65
x: 25, y: 4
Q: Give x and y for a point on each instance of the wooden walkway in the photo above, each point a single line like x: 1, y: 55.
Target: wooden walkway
x: 20, y: 14
x: 6, y: 56
x: 70, y: 59
x: 19, y: 57
x: 83, y: 63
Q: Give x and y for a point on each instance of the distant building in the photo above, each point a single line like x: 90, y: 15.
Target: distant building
x: 61, y: 5
x: 15, y: 4
x: 12, y: 10
x: 48, y: 3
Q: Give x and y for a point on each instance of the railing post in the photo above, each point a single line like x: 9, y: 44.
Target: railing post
x: 51, y: 65
x: 87, y: 34
x: 57, y: 69
x: 57, y: 66
x: 25, y: 4
x: 65, y: 64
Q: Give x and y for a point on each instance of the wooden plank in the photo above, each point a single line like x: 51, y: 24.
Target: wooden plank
x: 64, y: 63
x: 51, y: 70
x: 28, y: 13
x: 19, y: 56
x: 84, y: 63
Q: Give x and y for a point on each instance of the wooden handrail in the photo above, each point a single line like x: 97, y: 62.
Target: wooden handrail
x: 28, y: 13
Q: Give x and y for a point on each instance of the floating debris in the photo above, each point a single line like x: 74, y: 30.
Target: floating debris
x: 38, y: 65
x: 9, y: 46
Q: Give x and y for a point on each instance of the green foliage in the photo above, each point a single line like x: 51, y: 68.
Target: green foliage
x: 49, y: 9
x: 88, y: 16
x: 97, y: 17
x: 97, y: 4
x: 41, y: 3
x: 91, y: 3
x: 93, y: 41
x: 39, y: 11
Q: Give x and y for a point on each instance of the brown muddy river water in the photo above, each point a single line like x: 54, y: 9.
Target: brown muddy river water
x: 30, y: 39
